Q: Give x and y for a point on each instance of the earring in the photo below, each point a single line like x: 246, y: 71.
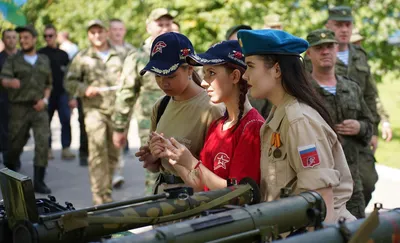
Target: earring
x: 190, y: 78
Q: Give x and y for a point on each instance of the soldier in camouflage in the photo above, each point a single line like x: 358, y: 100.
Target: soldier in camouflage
x: 117, y: 33
x: 353, y: 62
x: 27, y: 78
x: 94, y: 75
x: 141, y: 88
x: 345, y: 103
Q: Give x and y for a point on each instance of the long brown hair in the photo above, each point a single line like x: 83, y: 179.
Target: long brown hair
x: 296, y: 83
x: 243, y: 88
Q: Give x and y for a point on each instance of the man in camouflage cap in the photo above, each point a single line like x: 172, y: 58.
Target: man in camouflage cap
x: 353, y: 62
x: 353, y: 122
x: 94, y: 75
x: 141, y: 88
x: 27, y: 78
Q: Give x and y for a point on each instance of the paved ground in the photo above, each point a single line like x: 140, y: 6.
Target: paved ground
x: 70, y: 182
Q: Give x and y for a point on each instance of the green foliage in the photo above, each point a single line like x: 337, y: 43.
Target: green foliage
x: 205, y: 22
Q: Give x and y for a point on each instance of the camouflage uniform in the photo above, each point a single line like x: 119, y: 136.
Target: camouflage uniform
x: 88, y: 69
x: 359, y: 71
x: 348, y: 103
x: 141, y: 88
x: 23, y: 117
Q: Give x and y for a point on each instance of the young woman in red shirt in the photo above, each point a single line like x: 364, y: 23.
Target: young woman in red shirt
x: 232, y: 147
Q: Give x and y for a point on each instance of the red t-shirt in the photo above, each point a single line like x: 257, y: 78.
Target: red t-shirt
x: 234, y: 154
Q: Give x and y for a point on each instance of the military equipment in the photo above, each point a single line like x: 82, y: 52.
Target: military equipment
x: 26, y: 219
x: 260, y: 222
x: 378, y: 227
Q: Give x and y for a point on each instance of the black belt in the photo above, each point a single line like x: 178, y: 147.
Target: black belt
x: 169, y: 179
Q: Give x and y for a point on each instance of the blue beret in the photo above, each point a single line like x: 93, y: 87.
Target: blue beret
x: 168, y: 53
x: 220, y: 53
x: 270, y: 41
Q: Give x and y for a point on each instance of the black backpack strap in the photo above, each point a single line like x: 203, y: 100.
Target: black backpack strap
x: 162, y: 107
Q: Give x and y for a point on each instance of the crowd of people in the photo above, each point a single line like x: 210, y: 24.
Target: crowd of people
x: 259, y: 108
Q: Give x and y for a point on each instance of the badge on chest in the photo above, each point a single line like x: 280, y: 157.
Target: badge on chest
x: 276, y: 144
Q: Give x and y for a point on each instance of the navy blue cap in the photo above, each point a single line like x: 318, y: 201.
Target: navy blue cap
x: 220, y: 53
x: 168, y: 53
x: 270, y: 41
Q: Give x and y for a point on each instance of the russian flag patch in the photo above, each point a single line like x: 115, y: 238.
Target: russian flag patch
x: 309, y: 156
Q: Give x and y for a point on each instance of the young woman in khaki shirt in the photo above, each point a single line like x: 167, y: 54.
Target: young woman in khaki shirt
x: 299, y: 147
x: 188, y: 113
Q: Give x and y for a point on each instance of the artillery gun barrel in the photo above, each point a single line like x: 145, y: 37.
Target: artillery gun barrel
x: 262, y: 221
x: 106, y: 206
x: 387, y: 230
x: 82, y: 226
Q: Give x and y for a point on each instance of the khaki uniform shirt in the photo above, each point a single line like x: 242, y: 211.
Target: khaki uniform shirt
x: 187, y: 121
x: 309, y: 151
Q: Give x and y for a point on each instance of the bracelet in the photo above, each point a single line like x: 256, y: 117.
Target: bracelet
x: 45, y: 101
x: 197, y: 165
x: 194, y: 171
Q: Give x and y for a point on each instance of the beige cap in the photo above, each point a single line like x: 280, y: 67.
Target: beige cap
x: 158, y: 13
x: 272, y: 20
x: 355, y: 36
x: 94, y: 22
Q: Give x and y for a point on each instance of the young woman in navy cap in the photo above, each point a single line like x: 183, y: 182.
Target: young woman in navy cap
x: 187, y: 112
x: 232, y: 146
x: 299, y: 149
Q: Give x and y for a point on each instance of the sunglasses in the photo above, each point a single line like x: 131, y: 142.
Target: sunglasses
x: 48, y: 36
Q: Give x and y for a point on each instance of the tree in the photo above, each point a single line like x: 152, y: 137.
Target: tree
x: 205, y: 22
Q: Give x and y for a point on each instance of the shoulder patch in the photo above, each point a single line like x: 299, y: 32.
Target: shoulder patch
x: 309, y: 156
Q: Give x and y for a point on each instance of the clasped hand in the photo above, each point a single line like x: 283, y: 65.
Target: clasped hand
x: 171, y: 149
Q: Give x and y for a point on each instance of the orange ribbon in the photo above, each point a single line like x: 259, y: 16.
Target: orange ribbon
x: 276, y: 140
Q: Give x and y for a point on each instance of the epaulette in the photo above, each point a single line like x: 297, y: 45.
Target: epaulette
x: 294, y: 111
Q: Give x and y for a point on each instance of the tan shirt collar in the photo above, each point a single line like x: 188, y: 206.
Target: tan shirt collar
x: 278, y: 113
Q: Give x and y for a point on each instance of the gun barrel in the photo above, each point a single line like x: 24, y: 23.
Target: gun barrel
x: 265, y: 220
x: 387, y: 231
x: 81, y: 226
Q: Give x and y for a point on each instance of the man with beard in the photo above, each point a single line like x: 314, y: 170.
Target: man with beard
x: 9, y: 38
x: 59, y: 97
x: 27, y: 78
x: 94, y: 75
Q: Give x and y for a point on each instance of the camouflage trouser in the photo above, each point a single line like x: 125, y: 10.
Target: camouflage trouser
x: 103, y: 155
x: 144, y: 109
x: 356, y: 204
x: 23, y: 118
x: 368, y: 174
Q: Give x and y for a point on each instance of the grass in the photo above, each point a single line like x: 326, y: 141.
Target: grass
x: 388, y: 153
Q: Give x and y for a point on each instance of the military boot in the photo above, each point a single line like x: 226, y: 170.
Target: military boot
x: 66, y: 154
x: 39, y: 185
